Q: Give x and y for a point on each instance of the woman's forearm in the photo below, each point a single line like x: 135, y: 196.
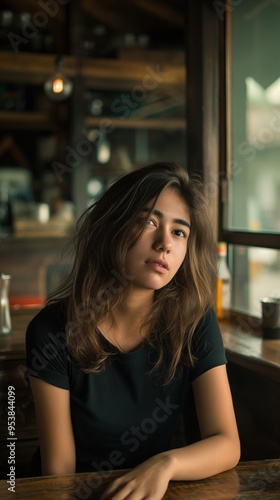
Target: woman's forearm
x: 204, y: 458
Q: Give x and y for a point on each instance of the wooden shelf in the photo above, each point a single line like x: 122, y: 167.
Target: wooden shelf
x: 170, y: 124
x: 108, y: 74
x: 27, y: 120
x: 32, y: 228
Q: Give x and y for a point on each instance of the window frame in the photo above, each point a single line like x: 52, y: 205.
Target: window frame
x: 208, y: 118
x: 244, y: 238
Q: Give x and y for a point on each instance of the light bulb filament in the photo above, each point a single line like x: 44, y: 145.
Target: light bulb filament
x: 58, y: 85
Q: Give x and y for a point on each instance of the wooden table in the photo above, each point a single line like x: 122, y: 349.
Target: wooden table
x: 255, y: 480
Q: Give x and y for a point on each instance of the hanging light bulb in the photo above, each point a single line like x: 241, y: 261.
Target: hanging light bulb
x: 58, y: 87
x: 103, y: 152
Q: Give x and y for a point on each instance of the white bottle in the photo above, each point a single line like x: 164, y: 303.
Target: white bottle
x: 5, y: 318
x: 223, y: 289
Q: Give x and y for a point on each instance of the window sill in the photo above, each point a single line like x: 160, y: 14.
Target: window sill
x: 245, y: 346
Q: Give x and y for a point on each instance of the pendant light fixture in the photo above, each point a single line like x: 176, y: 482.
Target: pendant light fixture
x: 58, y: 87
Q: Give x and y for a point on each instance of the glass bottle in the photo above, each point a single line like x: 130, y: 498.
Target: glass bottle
x: 5, y: 317
x: 223, y: 288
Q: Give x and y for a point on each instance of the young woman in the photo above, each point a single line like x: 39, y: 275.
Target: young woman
x: 111, y: 357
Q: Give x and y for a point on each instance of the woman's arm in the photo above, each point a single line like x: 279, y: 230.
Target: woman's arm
x: 218, y: 450
x: 52, y: 406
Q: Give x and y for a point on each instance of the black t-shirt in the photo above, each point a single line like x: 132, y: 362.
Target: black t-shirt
x: 124, y: 414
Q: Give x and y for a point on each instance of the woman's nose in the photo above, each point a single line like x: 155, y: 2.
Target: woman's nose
x: 162, y: 242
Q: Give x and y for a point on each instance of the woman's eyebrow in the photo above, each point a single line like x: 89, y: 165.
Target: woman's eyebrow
x: 159, y: 214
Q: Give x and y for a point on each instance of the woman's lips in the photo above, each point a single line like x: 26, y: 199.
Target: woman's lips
x: 158, y: 266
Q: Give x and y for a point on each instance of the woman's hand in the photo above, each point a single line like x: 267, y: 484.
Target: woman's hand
x: 148, y: 481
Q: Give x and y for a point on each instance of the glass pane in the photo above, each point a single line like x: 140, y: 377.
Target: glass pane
x: 254, y: 83
x: 256, y: 274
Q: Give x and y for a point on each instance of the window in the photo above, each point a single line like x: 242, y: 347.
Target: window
x: 250, y: 204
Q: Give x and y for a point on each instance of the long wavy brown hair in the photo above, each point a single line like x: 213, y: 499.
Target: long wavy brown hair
x: 98, y: 281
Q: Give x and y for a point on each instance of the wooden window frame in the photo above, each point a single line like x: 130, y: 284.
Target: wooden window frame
x: 233, y: 237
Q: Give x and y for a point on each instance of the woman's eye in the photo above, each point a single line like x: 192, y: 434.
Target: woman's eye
x: 151, y: 222
x: 180, y: 233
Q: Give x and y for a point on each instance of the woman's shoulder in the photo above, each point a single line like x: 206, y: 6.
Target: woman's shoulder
x: 207, y: 321
x: 207, y: 331
x: 46, y: 346
x: 208, y: 347
x: 52, y: 317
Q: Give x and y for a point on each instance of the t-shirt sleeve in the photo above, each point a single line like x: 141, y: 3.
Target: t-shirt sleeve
x: 46, y: 351
x: 208, y: 345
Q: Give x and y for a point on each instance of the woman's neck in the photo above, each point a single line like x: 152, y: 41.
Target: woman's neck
x: 124, y: 329
x: 135, y: 307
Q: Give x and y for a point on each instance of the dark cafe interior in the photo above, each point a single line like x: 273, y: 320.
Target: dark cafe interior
x: 102, y: 102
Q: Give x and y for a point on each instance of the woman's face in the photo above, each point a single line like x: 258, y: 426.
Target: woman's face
x: 159, y: 252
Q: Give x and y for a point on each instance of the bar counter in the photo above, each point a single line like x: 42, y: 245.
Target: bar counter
x: 255, y: 480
